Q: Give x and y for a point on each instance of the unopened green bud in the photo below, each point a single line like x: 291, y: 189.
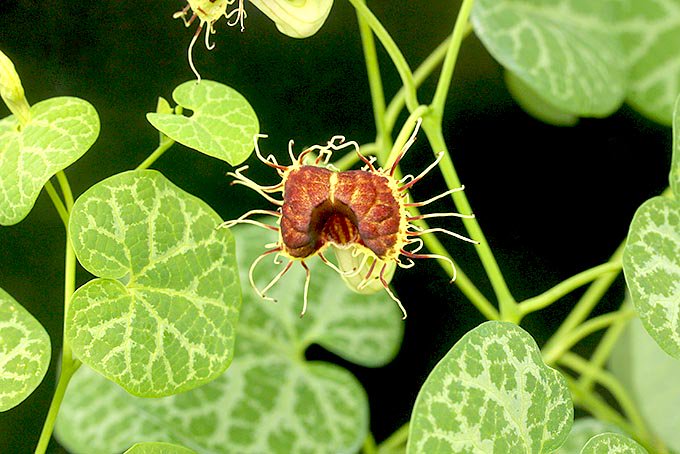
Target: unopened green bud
x: 296, y: 18
x: 12, y: 92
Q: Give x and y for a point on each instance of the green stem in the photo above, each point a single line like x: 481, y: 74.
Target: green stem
x: 587, y: 302
x: 396, y: 440
x: 404, y: 135
x: 604, y: 378
x: 602, y: 352
x: 349, y: 159
x: 596, y: 406
x: 369, y: 445
x: 567, y: 286
x: 164, y: 144
x: 68, y: 364
x: 508, y: 307
x: 446, y: 76
x: 376, y: 87
x: 58, y: 204
x: 393, y: 51
x: 583, y: 331
x: 463, y: 282
x: 48, y: 427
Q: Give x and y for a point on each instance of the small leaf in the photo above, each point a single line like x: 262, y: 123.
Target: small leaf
x: 24, y: 352
x: 651, y: 265
x: 651, y: 377
x: 532, y: 103
x: 582, y: 431
x: 565, y: 50
x: 271, y: 400
x: 61, y: 130
x: 610, y: 443
x: 674, y: 177
x: 649, y: 32
x: 158, y: 448
x: 160, y: 318
x: 222, y: 125
x: 491, y: 393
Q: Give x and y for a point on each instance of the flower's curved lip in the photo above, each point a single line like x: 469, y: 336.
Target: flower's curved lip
x: 298, y: 19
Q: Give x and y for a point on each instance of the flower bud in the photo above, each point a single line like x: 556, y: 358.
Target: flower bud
x: 11, y: 90
x: 296, y: 18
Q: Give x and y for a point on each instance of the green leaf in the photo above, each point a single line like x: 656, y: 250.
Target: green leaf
x: 651, y: 265
x: 24, y: 352
x: 532, y: 103
x: 649, y: 32
x: 611, y: 443
x: 491, y: 393
x: 582, y: 431
x: 271, y: 400
x: 61, y: 130
x: 651, y: 377
x: 158, y: 448
x: 564, y: 50
x: 674, y: 177
x: 222, y: 125
x: 160, y: 319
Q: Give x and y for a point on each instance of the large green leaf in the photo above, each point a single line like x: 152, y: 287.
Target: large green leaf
x: 491, y: 393
x: 649, y: 32
x: 270, y: 400
x: 582, y: 431
x: 610, y: 443
x: 24, y: 352
x: 564, y: 50
x: 651, y: 264
x: 532, y: 103
x: 222, y: 125
x: 61, y: 130
x: 160, y: 319
x: 651, y: 377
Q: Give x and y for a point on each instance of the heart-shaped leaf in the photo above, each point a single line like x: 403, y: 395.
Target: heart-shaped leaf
x: 564, y: 50
x: 160, y: 319
x: 158, y: 448
x: 649, y: 32
x: 61, y: 130
x: 24, y: 352
x: 491, y: 393
x: 651, y: 377
x: 222, y: 125
x: 270, y: 400
x: 583, y: 430
x: 651, y: 265
x: 611, y: 443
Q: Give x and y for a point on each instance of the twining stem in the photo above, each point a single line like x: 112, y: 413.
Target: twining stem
x: 396, y: 440
x: 606, y: 379
x: 376, y: 87
x: 508, y: 308
x: 565, y: 287
x: 58, y: 204
x: 602, y: 352
x: 164, y: 144
x: 446, y: 76
x: 583, y: 331
x: 369, y: 445
x: 393, y: 50
x: 587, y: 303
x: 68, y: 364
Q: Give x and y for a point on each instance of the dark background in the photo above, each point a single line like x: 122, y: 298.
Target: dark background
x: 552, y: 201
